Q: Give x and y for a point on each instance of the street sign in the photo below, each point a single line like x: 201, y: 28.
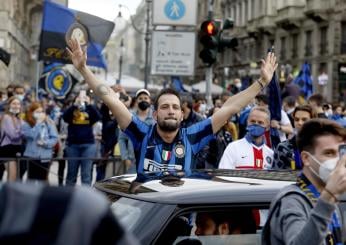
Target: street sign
x: 173, y: 53
x: 175, y: 12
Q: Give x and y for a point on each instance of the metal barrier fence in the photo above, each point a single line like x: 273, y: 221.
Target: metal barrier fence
x: 22, y: 165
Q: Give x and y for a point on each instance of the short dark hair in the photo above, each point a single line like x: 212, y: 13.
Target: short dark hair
x: 317, y: 127
x: 241, y: 218
x: 317, y: 98
x: 306, y: 108
x: 335, y: 106
x: 290, y: 100
x: 163, y: 92
x: 187, y: 98
x: 262, y: 98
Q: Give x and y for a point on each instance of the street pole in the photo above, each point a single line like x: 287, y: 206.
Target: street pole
x: 121, y: 59
x: 147, y: 39
x: 209, y: 70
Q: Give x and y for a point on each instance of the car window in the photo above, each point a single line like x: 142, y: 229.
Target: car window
x: 215, y: 226
x: 243, y: 239
x: 130, y: 211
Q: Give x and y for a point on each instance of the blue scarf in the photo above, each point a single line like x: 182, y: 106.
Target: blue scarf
x: 334, y: 235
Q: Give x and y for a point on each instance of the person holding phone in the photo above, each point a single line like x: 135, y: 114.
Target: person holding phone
x: 165, y: 145
x: 307, y: 212
x: 80, y: 142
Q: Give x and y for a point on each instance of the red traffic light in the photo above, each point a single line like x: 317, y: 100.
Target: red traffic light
x: 209, y: 27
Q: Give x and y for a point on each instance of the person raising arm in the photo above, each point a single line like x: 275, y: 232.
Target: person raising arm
x: 233, y: 105
x: 79, y: 57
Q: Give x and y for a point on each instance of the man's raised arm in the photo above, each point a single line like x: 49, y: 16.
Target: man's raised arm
x: 119, y: 110
x: 238, y: 101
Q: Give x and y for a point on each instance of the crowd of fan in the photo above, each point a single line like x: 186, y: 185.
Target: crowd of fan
x: 82, y: 132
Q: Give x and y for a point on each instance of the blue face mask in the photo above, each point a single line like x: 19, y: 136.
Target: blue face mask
x: 256, y: 130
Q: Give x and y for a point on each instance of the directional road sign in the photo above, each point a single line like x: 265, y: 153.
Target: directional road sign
x: 175, y: 12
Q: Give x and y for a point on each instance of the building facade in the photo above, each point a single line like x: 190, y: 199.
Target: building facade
x: 20, y: 28
x: 312, y: 31
x: 20, y: 25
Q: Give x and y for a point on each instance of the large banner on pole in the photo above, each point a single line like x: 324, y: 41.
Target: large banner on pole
x: 60, y: 23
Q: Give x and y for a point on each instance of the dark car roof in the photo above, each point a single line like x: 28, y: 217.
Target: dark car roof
x: 201, y: 186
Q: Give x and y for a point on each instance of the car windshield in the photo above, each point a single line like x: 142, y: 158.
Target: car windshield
x: 130, y: 211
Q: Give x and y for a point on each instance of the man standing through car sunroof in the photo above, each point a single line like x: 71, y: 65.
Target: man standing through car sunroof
x: 165, y: 145
x: 307, y: 212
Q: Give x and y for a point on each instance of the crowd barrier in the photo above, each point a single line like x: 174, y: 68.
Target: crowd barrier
x: 114, y: 166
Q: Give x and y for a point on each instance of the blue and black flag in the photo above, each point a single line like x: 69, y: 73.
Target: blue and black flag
x: 60, y: 23
x: 274, y: 96
x: 304, y: 80
x: 57, y: 81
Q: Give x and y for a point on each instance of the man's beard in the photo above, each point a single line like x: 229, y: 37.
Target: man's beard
x: 168, y: 126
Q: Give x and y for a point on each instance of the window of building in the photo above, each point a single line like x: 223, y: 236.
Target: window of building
x: 260, y: 7
x: 236, y: 15
x: 295, y: 45
x: 246, y: 10
x: 252, y: 9
x: 283, y: 48
x: 324, y: 42
x: 308, y: 43
x: 343, y: 37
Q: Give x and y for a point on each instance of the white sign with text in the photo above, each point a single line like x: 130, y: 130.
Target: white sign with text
x: 173, y: 53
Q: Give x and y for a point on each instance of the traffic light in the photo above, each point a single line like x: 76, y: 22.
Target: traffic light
x: 209, y: 38
x: 227, y: 42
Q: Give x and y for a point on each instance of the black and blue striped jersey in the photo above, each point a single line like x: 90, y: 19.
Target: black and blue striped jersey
x: 153, y: 154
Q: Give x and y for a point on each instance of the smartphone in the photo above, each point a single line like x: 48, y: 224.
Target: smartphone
x: 342, y: 150
x: 82, y: 94
x: 272, y: 49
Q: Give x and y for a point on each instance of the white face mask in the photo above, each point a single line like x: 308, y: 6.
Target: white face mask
x: 36, y: 115
x: 14, y: 111
x: 20, y: 97
x: 325, y: 168
x: 203, y: 107
x: 238, y: 85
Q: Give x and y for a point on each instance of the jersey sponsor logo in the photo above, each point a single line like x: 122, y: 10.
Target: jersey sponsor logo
x: 152, y: 166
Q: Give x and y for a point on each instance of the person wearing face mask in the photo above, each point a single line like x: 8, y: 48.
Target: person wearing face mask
x: 286, y: 153
x: 250, y: 152
x: 307, y: 212
x: 41, y: 136
x: 236, y: 86
x: 11, y: 136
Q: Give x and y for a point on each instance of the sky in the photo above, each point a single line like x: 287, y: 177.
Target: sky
x: 106, y: 9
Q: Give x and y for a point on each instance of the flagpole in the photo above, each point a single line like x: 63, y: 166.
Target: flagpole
x: 37, y: 78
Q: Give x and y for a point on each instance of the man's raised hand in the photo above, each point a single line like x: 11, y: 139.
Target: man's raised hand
x: 268, y: 67
x: 77, y: 54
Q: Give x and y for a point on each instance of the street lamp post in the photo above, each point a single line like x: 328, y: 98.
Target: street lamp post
x: 121, y: 59
x: 146, y: 38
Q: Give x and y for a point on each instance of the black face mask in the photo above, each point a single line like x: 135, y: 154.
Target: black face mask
x: 143, y: 105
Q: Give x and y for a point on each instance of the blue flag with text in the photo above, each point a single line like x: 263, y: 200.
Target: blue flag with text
x: 59, y: 24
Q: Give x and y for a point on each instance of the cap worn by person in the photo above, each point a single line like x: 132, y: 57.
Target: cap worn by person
x: 142, y: 91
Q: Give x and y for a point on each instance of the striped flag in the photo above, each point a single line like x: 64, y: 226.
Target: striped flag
x: 60, y: 24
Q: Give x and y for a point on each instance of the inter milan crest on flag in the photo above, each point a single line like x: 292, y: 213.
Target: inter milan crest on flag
x: 56, y: 80
x: 60, y: 24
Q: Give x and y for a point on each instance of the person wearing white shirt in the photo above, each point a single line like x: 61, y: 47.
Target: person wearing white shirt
x: 250, y: 152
